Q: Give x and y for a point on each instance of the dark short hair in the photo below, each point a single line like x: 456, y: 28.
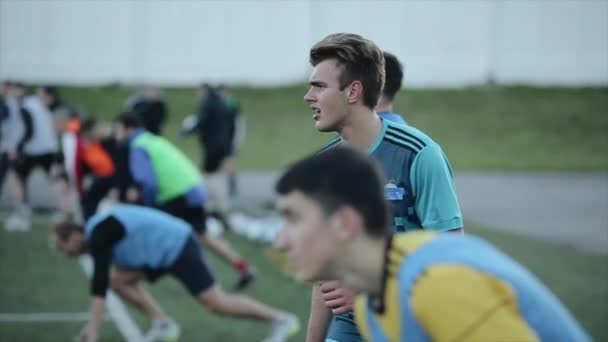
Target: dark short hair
x: 360, y: 59
x: 129, y: 120
x: 88, y: 125
x: 19, y: 84
x: 51, y: 91
x: 393, y: 71
x: 65, y: 229
x: 341, y: 177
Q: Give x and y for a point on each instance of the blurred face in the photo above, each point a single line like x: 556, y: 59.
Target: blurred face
x: 16, y: 91
x: 202, y: 91
x: 307, y: 237
x: 120, y: 132
x: 72, y: 246
x: 60, y: 123
x: 328, y: 103
x: 44, y: 97
x: 151, y: 94
x: 102, y: 130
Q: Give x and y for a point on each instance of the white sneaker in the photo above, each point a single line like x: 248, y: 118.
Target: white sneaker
x: 163, y: 330
x: 283, y: 328
x: 17, y: 223
x: 25, y: 211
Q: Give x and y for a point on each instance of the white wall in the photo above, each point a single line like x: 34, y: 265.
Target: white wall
x: 443, y: 43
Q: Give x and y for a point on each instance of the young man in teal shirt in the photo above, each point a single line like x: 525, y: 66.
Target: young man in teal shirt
x: 345, y: 84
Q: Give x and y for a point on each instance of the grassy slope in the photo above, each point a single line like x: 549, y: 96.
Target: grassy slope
x: 480, y: 128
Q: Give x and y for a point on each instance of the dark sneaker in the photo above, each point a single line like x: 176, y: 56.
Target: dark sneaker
x: 245, y: 279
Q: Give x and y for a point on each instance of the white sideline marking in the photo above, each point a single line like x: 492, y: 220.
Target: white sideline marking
x: 116, y: 308
x: 45, y: 317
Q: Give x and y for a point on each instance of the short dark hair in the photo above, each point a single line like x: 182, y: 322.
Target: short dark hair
x: 359, y: 58
x: 338, y: 177
x: 88, y: 125
x: 19, y: 84
x: 65, y: 229
x: 393, y: 75
x: 51, y: 91
x: 129, y: 120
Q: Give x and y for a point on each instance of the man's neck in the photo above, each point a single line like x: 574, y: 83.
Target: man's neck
x: 384, y: 105
x: 362, y: 129
x: 134, y: 133
x: 362, y: 271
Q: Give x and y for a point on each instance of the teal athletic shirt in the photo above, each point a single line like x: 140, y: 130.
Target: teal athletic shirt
x: 392, y: 116
x: 419, y: 179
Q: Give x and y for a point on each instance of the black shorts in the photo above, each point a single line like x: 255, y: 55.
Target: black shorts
x: 24, y: 165
x: 196, y: 216
x: 213, y: 159
x: 189, y: 268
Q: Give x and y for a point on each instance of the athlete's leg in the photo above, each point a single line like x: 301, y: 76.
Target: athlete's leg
x: 4, y: 165
x: 230, y: 169
x: 192, y: 271
x: 222, y: 248
x: 127, y: 283
x: 20, y: 172
x: 19, y: 219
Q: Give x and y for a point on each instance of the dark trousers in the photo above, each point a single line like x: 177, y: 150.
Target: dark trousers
x: 93, y: 196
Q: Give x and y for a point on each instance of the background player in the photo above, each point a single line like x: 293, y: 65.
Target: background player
x: 143, y: 244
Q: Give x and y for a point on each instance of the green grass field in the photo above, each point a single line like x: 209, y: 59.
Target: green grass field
x: 34, y: 278
x: 499, y: 128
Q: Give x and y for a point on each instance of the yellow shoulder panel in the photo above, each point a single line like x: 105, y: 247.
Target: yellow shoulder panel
x: 406, y: 243
x: 361, y: 316
x: 458, y: 303
x: 389, y: 320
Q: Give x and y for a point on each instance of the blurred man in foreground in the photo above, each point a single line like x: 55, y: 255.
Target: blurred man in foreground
x: 416, y: 286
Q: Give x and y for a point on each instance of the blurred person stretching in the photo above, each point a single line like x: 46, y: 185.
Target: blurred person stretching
x: 50, y: 97
x: 144, y: 244
x: 214, y: 125
x: 4, y: 116
x: 237, y: 134
x: 168, y: 180
x: 36, y: 148
x: 89, y: 161
x: 345, y: 84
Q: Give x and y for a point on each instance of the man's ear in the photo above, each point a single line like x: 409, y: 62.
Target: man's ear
x: 347, y: 223
x: 355, y: 92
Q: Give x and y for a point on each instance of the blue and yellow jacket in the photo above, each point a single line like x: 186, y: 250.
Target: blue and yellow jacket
x: 451, y: 287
